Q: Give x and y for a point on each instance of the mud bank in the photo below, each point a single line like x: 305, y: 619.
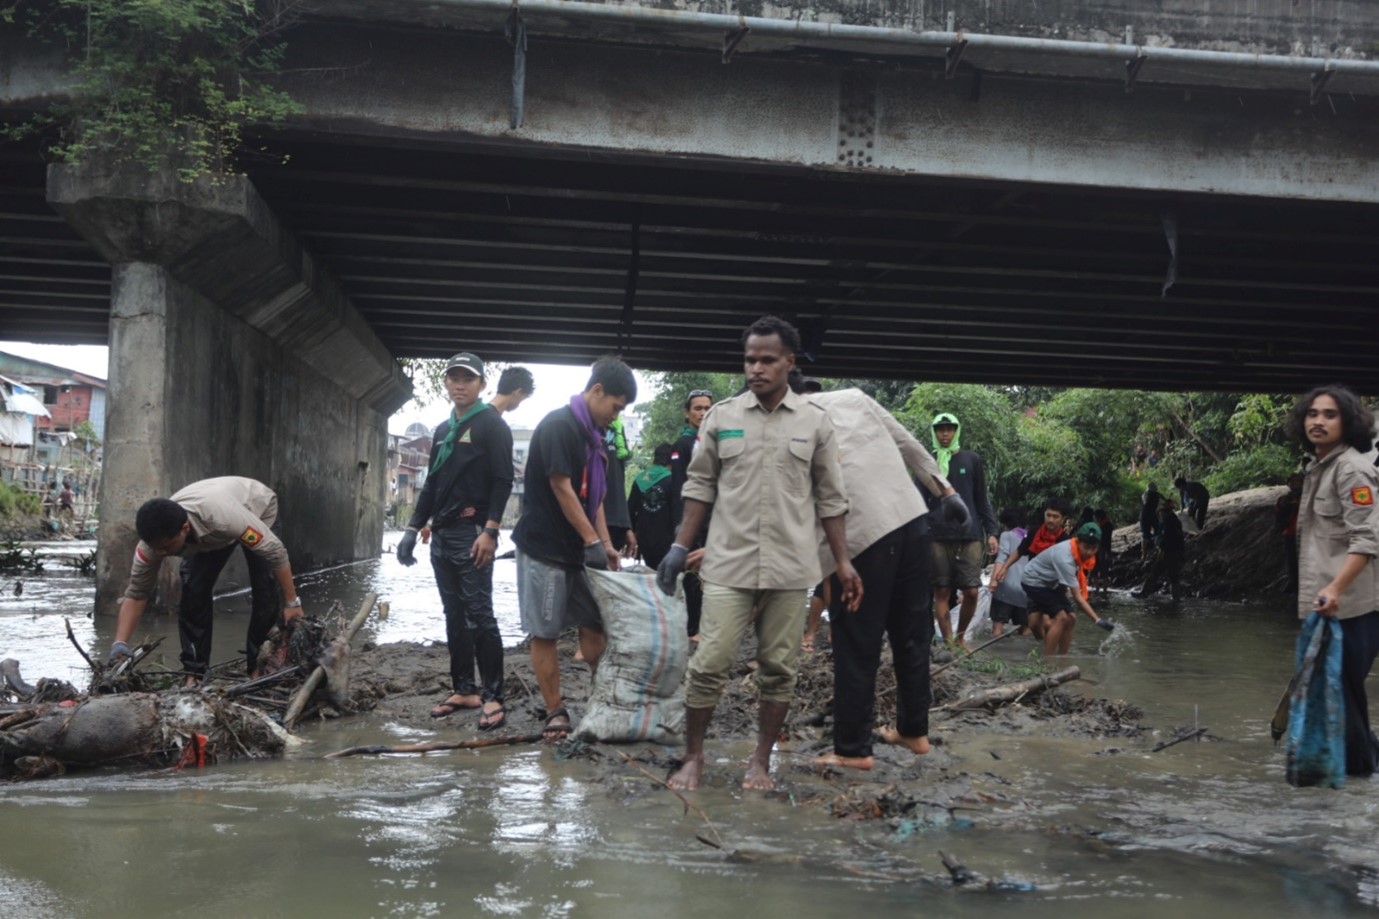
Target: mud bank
x: 1237, y: 556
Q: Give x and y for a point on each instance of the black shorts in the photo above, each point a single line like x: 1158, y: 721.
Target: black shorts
x: 1008, y: 612
x: 1050, y: 601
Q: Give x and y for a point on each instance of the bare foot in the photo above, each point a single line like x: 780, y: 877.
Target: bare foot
x: 758, y: 777
x: 848, y: 762
x: 688, y: 776
x: 807, y: 643
x: 454, y: 704
x: 917, y: 745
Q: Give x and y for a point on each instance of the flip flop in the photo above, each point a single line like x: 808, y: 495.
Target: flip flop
x: 553, y: 732
x: 501, y: 713
x: 448, y: 708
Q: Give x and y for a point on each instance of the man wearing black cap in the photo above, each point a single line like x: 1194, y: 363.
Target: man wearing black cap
x: 466, y: 489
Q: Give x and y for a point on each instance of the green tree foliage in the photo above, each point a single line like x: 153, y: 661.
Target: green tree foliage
x: 162, y: 81
x: 1252, y: 467
x: 663, y: 415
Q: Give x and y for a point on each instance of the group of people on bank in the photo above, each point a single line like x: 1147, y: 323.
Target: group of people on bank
x: 770, y: 492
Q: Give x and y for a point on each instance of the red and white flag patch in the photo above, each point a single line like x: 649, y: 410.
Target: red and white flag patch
x: 140, y: 556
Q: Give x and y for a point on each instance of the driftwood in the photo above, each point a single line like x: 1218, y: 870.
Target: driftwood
x: 299, y: 701
x: 986, y: 644
x: 475, y: 744
x: 1010, y: 691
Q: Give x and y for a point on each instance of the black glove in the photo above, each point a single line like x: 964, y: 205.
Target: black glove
x: 118, y: 652
x: 954, y: 510
x: 669, y: 569
x: 595, y: 557
x: 405, y: 547
x: 1106, y: 624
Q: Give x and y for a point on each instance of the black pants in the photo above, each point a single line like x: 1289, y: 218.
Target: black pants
x: 897, y: 602
x: 1198, y: 512
x: 467, y: 597
x: 1168, y: 565
x: 1359, y: 646
x: 199, y: 574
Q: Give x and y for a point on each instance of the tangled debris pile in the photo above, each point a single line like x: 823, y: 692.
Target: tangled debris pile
x: 133, y: 714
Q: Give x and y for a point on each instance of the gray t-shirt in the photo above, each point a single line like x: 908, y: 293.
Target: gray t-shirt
x: 1052, y: 567
x: 1009, y: 590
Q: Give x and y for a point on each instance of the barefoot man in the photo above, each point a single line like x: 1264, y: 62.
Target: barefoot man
x: 890, y: 550
x: 767, y: 463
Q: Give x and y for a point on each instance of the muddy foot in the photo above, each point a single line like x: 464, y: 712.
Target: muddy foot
x: 917, y: 745
x: 758, y: 777
x: 847, y: 762
x: 688, y: 776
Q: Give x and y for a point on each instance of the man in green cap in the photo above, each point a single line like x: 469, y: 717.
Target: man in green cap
x: 1055, y: 581
x: 958, y: 551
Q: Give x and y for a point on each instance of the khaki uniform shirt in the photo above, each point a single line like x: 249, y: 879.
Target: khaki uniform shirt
x: 770, y: 477
x: 880, y: 459
x: 1339, y: 515
x: 222, y: 511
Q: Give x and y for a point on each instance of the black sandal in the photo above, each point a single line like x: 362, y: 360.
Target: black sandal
x: 500, y: 714
x: 553, y: 732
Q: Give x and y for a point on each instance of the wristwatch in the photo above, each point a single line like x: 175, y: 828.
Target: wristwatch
x: 293, y: 603
x: 492, y: 531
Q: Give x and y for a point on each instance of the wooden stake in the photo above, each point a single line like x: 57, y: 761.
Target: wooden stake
x: 294, y: 711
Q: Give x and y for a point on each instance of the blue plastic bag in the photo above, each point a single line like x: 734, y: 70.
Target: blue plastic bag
x: 1316, y: 715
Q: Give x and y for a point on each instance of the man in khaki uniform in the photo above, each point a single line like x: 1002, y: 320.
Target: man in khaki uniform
x: 768, y: 464
x: 202, y: 524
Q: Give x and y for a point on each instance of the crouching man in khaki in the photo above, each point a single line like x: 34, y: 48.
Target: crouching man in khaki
x: 768, y: 465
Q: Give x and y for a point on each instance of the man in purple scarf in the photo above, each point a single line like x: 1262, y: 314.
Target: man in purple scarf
x: 563, y: 529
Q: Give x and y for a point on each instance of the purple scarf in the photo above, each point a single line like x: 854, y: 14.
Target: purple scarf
x: 595, y: 482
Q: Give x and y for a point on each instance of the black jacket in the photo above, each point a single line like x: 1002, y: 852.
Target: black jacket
x: 476, y: 480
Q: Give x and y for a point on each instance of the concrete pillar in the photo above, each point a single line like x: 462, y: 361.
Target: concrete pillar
x: 231, y: 353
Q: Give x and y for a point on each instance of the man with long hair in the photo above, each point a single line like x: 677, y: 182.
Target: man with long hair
x: 1338, y: 537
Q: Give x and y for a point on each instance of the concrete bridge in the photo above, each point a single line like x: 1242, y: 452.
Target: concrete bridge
x: 1069, y: 193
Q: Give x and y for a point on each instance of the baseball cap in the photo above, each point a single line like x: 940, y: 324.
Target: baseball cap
x: 1089, y: 531
x: 468, y: 361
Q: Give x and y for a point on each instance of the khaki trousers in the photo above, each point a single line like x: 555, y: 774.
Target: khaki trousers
x: 779, y: 621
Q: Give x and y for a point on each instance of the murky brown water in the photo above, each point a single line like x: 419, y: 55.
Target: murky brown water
x: 1199, y: 830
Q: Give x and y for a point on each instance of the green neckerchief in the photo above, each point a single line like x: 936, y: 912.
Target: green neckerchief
x: 619, y: 440
x: 647, y: 478
x: 943, y: 455
x: 448, y: 445
x: 688, y: 431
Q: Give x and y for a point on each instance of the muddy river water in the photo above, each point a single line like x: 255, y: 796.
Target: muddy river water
x: 1075, y: 826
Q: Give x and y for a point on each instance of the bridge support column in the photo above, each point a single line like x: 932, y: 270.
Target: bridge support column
x: 231, y: 353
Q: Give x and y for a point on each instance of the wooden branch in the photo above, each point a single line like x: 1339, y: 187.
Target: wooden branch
x: 474, y: 744
x: 294, y: 711
x: 986, y: 644
x: 76, y: 644
x: 717, y: 841
x: 250, y: 685
x: 1010, y: 691
x: 1177, y: 740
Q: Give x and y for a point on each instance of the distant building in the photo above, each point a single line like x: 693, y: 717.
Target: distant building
x: 20, y: 410
x: 69, y: 397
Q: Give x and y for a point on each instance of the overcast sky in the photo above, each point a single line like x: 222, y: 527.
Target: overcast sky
x: 555, y: 383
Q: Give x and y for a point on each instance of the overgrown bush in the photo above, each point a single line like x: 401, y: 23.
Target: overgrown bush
x: 1266, y: 464
x: 15, y: 502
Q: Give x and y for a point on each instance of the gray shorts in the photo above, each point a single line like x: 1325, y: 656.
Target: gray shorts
x: 553, y: 598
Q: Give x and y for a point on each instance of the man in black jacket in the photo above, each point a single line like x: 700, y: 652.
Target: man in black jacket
x: 697, y: 405
x: 465, y: 493
x: 958, y: 551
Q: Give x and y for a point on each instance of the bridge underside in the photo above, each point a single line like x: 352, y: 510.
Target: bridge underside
x: 533, y: 255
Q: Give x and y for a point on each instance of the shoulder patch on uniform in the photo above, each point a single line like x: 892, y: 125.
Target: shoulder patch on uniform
x: 1362, y: 495
x: 251, y: 537
x: 139, y: 556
